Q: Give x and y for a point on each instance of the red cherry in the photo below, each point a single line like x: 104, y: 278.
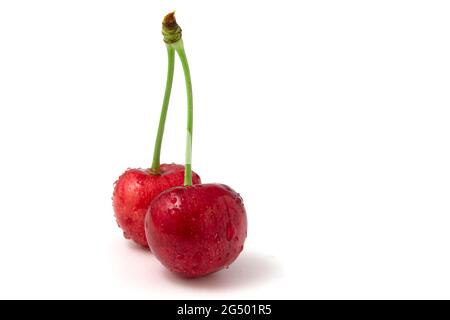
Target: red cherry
x: 197, y: 230
x: 134, y: 191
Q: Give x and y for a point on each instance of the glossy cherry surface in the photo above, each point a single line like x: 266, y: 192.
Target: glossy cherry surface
x: 197, y: 230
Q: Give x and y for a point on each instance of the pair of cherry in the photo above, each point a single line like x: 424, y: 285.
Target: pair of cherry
x: 192, y: 228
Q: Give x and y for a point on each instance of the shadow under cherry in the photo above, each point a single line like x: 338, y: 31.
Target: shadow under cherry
x: 249, y: 270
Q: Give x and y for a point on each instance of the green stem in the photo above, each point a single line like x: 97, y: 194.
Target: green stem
x: 179, y: 47
x: 162, y: 120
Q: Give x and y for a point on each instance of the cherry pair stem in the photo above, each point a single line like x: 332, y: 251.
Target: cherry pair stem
x: 177, y: 47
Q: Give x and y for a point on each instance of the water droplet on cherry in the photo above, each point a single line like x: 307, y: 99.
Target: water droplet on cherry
x: 230, y: 232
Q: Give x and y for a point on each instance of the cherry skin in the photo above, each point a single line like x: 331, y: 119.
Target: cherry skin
x: 135, y: 190
x: 196, y: 230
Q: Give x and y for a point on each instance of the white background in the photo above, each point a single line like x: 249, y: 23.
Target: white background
x: 331, y: 118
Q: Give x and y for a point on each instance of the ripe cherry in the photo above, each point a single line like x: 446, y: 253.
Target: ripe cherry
x: 197, y: 230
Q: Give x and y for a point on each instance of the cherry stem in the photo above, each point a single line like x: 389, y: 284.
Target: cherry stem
x: 172, y: 37
x: 162, y: 120
x: 179, y: 48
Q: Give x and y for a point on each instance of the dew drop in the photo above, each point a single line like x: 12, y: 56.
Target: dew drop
x: 180, y: 256
x: 173, y: 200
x: 230, y: 232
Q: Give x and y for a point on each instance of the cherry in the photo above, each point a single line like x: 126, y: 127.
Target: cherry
x: 198, y: 229
x: 136, y: 188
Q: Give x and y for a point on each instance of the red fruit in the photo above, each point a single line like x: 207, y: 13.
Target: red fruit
x: 197, y: 230
x: 134, y: 191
